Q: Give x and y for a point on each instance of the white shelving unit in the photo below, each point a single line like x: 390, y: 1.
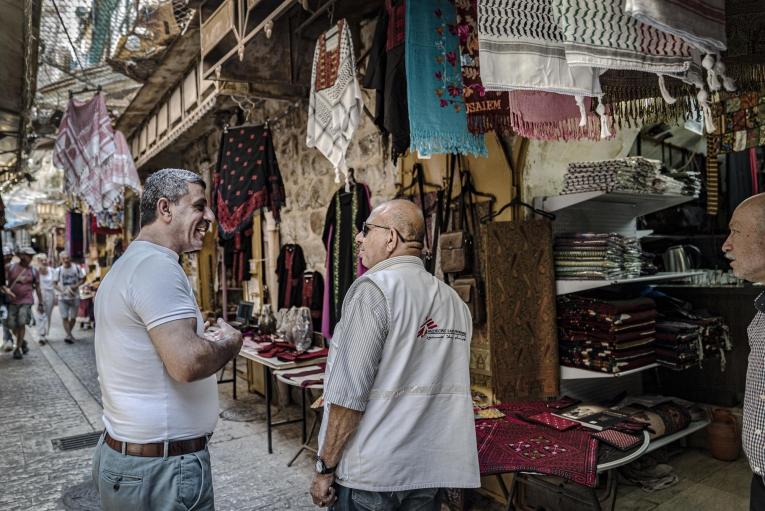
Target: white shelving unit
x: 665, y: 440
x: 564, y: 287
x: 575, y: 373
x: 638, y: 204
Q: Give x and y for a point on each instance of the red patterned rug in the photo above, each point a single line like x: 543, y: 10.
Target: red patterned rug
x: 511, y: 444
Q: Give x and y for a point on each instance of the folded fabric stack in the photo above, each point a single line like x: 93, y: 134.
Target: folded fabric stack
x: 589, y: 256
x: 609, y: 336
x: 631, y: 174
x: 679, y: 182
x: 633, y: 258
x: 678, y: 344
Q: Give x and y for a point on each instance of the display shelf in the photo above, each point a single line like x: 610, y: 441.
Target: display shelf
x: 639, y: 203
x: 665, y: 440
x: 576, y: 373
x: 564, y: 287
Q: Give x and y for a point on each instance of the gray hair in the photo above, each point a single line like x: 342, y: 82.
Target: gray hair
x: 64, y: 253
x: 171, y: 184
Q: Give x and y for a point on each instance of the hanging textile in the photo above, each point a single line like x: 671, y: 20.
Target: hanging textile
x: 313, y: 296
x: 237, y: 253
x: 598, y: 34
x: 548, y: 116
x: 345, y: 215
x: 335, y: 101
x: 248, y: 178
x: 700, y: 23
x: 290, y: 266
x: 386, y: 74
x: 118, y: 175
x: 104, y: 227
x: 745, y: 63
x: 521, y: 47
x: 74, y: 235
x: 84, y: 146
x: 486, y: 110
x: 520, y: 285
x: 437, y: 118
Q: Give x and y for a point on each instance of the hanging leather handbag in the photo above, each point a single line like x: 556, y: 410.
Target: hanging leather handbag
x: 470, y: 289
x: 456, y: 247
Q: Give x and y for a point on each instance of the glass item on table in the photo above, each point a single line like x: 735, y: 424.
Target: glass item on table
x: 267, y: 320
x: 281, y: 320
x: 302, y: 330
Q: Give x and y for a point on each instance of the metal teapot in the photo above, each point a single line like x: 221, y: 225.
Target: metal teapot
x: 681, y: 258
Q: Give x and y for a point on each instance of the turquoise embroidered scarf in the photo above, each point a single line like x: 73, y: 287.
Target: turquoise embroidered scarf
x: 437, y: 118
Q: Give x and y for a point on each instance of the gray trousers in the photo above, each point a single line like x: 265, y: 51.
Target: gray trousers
x: 348, y: 499
x: 134, y: 483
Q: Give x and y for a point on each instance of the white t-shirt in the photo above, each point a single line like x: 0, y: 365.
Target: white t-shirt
x: 68, y: 277
x: 48, y: 280
x: 146, y: 288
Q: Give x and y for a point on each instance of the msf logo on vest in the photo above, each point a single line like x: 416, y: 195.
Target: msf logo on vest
x: 427, y: 326
x: 429, y: 331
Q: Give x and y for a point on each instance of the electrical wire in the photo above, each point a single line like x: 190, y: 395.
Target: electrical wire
x: 71, y: 44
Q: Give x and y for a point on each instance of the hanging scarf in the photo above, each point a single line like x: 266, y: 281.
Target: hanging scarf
x: 700, y: 23
x: 118, y: 175
x: 84, y: 145
x: 335, y: 101
x: 248, y: 179
x: 486, y: 110
x: 437, y: 118
x: 549, y: 116
x: 521, y: 47
x: 598, y: 34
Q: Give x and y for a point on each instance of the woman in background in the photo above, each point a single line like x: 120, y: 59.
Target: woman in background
x: 48, y: 278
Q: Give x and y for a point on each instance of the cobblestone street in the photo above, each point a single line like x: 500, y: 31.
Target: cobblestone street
x: 53, y: 392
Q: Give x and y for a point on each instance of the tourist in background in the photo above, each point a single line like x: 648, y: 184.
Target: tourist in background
x: 7, y: 337
x: 70, y: 278
x: 48, y: 279
x: 24, y: 284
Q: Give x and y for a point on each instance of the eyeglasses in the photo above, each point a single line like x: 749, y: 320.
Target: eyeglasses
x: 366, y: 225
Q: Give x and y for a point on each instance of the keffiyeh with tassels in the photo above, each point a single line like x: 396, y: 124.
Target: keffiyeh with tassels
x: 437, y: 118
x: 549, y: 116
x: 335, y: 102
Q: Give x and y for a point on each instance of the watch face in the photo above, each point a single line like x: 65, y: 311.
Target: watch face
x: 319, y: 466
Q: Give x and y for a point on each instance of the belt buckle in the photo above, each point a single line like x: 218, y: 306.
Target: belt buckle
x: 124, y: 448
x: 165, y: 449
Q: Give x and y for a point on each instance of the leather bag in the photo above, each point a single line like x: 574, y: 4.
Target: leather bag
x: 456, y: 251
x: 470, y: 289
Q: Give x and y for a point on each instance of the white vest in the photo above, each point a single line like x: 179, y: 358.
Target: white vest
x: 418, y: 429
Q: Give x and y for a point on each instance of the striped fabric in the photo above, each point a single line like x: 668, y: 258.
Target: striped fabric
x: 713, y: 194
x: 521, y: 47
x: 700, y: 23
x: 599, y: 34
x: 357, y: 346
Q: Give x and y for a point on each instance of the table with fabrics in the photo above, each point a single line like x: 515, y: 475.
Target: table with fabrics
x: 275, y: 354
x: 516, y: 443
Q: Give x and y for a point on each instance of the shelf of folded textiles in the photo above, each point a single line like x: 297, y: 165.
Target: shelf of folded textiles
x: 577, y: 373
x: 641, y: 203
x: 666, y: 440
x: 564, y: 287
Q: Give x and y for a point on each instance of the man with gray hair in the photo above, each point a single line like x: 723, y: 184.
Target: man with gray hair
x: 70, y: 278
x: 398, y: 422
x: 156, y: 363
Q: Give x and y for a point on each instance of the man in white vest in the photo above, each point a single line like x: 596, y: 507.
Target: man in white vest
x: 398, y: 418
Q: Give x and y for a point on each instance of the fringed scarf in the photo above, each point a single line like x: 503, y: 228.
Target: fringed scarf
x: 437, y: 117
x: 486, y: 110
x: 521, y: 47
x: 549, y: 116
x: 636, y: 99
x: 599, y: 34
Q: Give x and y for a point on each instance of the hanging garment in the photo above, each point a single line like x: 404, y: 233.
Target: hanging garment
x: 290, y: 266
x: 118, y: 175
x: 486, y: 110
x: 74, y: 235
x: 541, y: 115
x: 83, y: 149
x: 313, y: 296
x: 520, y: 284
x: 437, y: 118
x: 521, y: 47
x: 700, y: 23
x: 248, y: 178
x: 237, y: 253
x: 599, y: 34
x: 386, y: 74
x: 345, y: 215
x: 335, y: 101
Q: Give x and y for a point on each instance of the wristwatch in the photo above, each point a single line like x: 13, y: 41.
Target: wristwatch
x: 322, y: 468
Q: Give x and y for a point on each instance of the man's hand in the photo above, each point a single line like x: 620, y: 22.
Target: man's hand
x: 322, y: 491
x: 224, y: 333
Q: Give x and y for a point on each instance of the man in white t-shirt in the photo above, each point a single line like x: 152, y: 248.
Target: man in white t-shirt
x: 156, y: 364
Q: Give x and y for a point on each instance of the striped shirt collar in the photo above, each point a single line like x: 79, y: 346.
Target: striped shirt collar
x: 387, y: 263
x: 759, y: 302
